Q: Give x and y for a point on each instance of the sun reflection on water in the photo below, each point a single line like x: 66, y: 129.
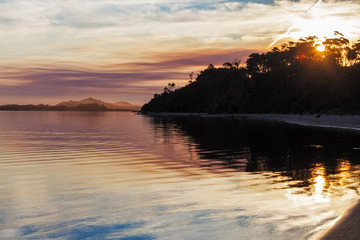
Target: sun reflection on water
x: 323, y: 185
x: 319, y: 183
x: 343, y: 168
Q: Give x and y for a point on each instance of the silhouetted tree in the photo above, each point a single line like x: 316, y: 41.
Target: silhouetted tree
x: 293, y: 78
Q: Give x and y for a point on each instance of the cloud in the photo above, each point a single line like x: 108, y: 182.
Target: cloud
x: 146, y: 42
x: 138, y: 79
x: 104, y: 27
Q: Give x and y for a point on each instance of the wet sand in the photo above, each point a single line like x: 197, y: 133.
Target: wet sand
x: 347, y: 227
x: 330, y: 121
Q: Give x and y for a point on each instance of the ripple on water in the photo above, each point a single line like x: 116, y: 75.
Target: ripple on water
x: 117, y: 175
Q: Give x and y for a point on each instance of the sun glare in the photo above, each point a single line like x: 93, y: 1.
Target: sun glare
x: 321, y: 24
x: 318, y: 25
x: 320, y: 47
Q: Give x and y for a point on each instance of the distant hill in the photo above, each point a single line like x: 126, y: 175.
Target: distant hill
x: 122, y: 106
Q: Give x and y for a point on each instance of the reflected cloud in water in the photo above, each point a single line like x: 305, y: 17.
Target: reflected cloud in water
x: 119, y: 175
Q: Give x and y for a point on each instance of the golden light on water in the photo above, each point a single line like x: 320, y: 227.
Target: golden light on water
x: 319, y: 181
x: 319, y: 184
x: 344, y: 168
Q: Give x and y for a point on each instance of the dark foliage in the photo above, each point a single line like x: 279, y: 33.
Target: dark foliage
x: 42, y: 107
x: 30, y: 107
x: 294, y: 78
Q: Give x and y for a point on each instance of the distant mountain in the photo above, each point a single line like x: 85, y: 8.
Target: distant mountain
x: 124, y: 106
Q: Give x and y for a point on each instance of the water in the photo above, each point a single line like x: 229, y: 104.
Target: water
x: 117, y: 175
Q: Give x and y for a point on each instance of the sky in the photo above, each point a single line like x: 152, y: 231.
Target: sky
x: 128, y: 50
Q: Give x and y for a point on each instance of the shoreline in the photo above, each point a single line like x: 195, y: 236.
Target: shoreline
x: 350, y: 122
x: 346, y: 225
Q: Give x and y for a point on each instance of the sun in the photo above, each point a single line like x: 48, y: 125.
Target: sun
x: 321, y: 20
x: 322, y: 23
x: 316, y: 26
x: 320, y: 47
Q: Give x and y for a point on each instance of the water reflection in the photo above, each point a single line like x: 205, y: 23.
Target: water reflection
x: 123, y: 176
x: 316, y: 166
x: 316, y: 161
x: 318, y: 183
x: 343, y: 170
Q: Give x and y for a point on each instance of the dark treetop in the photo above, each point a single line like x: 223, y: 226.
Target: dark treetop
x: 293, y: 78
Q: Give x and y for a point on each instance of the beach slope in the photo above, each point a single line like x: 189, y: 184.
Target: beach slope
x: 347, y: 227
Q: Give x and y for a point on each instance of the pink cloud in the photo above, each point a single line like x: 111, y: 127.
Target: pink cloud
x: 134, y: 81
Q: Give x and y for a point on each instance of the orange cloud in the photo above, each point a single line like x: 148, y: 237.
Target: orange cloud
x: 134, y: 81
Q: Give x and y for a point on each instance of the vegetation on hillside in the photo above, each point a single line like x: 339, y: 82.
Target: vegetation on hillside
x: 94, y: 107
x: 88, y: 104
x: 307, y: 76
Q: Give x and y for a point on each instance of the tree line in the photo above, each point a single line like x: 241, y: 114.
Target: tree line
x: 44, y: 107
x: 307, y: 76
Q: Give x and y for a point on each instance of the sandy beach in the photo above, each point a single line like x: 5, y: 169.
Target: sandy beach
x: 329, y: 121
x: 347, y: 225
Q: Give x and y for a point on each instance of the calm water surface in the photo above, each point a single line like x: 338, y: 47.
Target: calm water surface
x: 114, y: 175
